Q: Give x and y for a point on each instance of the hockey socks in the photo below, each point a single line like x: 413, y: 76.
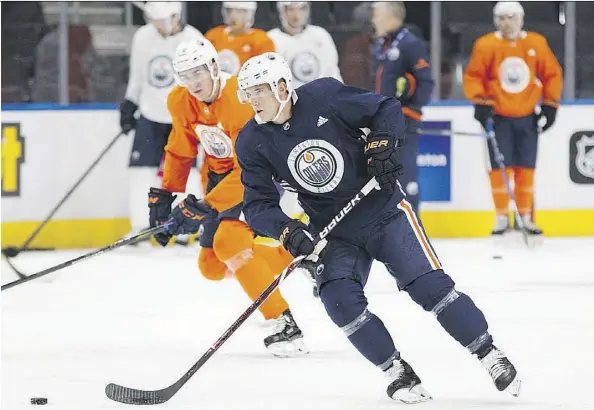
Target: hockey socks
x: 346, y: 305
x: 454, y: 310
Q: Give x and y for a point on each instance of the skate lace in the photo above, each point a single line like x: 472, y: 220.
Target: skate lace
x: 495, y: 364
x: 396, y: 371
x: 280, y: 324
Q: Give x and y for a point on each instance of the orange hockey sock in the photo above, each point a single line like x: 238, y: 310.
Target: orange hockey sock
x: 499, y: 190
x: 234, y: 244
x: 524, y: 189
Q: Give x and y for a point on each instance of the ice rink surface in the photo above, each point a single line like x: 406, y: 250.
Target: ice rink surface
x: 141, y: 317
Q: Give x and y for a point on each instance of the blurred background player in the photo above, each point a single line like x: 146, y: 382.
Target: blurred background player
x: 236, y: 41
x: 150, y: 80
x: 311, y: 54
x: 511, y: 71
x: 309, y: 50
x: 401, y: 69
x: 205, y: 109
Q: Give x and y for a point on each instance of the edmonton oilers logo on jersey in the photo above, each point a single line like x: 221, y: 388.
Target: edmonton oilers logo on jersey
x: 316, y: 165
x: 514, y: 75
x: 160, y: 72
x: 305, y: 67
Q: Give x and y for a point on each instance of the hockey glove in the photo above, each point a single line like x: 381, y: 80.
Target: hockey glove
x: 483, y: 113
x: 159, y: 209
x: 187, y: 216
x: 127, y: 120
x: 549, y: 113
x: 382, y: 161
x: 296, y: 238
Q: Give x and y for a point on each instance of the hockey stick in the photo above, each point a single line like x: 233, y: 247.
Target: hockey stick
x: 499, y: 159
x: 448, y: 133
x: 147, y: 397
x: 11, y: 252
x: 115, y: 245
x: 14, y: 268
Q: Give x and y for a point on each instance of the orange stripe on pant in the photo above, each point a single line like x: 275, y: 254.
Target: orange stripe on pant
x: 405, y: 206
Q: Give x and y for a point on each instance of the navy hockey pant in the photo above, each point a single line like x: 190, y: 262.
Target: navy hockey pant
x: 150, y: 139
x: 407, y: 155
x: 400, y: 243
x: 518, y: 141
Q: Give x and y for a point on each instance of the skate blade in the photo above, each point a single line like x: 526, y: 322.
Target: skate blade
x: 514, y: 387
x: 289, y: 349
x: 414, y: 395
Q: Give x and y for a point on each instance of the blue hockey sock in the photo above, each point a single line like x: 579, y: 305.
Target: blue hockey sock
x: 454, y: 310
x: 346, y: 305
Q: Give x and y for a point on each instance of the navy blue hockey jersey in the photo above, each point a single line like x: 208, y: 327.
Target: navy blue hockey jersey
x: 319, y: 154
x: 402, y: 54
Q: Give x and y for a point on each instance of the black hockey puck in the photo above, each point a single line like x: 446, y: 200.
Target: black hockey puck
x: 497, y: 257
x: 38, y: 400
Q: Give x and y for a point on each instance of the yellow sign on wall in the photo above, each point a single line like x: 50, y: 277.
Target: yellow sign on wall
x: 13, y: 156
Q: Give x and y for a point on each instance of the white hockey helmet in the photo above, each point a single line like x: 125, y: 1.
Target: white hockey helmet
x: 250, y: 6
x: 193, y: 54
x: 267, y: 68
x: 169, y: 12
x: 280, y: 6
x: 509, y: 8
x: 506, y: 8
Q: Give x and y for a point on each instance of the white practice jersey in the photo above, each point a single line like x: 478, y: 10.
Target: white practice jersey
x: 311, y: 54
x: 151, y: 70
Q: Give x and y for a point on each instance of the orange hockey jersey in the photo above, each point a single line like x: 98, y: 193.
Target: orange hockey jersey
x: 236, y: 50
x: 513, y: 75
x: 215, y: 126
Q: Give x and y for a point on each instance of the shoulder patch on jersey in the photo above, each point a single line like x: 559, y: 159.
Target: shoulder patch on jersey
x: 316, y: 165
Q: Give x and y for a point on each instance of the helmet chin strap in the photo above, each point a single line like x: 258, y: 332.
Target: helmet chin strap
x: 282, y: 105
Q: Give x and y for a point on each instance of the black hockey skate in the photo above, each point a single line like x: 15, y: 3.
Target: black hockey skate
x: 286, y: 339
x: 406, y: 385
x: 502, y: 372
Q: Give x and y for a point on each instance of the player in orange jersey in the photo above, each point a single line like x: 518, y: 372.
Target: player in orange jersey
x: 205, y: 108
x: 236, y: 41
x: 510, y: 72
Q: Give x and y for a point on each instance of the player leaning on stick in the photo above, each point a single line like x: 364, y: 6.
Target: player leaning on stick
x: 509, y: 73
x: 205, y: 109
x: 310, y: 139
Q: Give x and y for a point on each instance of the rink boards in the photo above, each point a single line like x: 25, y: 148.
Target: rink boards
x: 46, y: 148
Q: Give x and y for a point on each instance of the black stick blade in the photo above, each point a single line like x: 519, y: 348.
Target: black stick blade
x: 127, y: 395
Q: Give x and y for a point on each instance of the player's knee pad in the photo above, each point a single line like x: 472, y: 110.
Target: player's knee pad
x: 233, y: 243
x: 210, y: 266
x: 345, y: 301
x: 433, y: 291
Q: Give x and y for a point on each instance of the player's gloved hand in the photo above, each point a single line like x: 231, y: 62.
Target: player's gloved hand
x: 549, y: 113
x: 404, y: 86
x: 313, y: 263
x: 159, y: 204
x: 187, y: 216
x: 483, y: 113
x: 127, y: 120
x: 296, y: 238
x: 382, y: 160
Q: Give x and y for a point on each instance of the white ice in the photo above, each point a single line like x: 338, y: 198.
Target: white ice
x: 141, y: 317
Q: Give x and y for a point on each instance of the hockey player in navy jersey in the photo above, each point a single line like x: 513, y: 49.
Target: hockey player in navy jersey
x: 311, y: 140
